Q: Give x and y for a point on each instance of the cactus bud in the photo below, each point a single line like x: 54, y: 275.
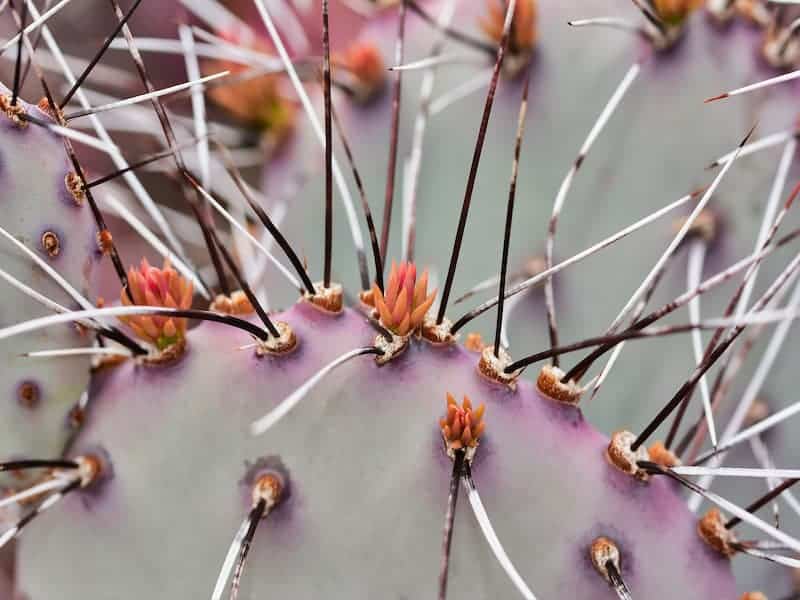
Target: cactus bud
x: 674, y: 12
x: 523, y: 27
x: 462, y: 426
x: 150, y: 286
x: 364, y: 69
x: 403, y: 306
x: 255, y: 101
x: 661, y: 455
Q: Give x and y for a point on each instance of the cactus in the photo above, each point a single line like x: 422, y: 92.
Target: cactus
x: 331, y: 440
x: 46, y: 219
x: 381, y: 425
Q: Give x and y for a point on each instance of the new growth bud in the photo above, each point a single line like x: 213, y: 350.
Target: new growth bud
x: 462, y: 426
x: 674, y: 12
x: 661, y: 455
x: 402, y: 308
x: 523, y: 34
x: 364, y: 69
x: 256, y: 101
x: 753, y: 596
x: 150, y: 286
x: 523, y: 27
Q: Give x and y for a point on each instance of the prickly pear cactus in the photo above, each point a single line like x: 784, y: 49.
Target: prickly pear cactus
x: 366, y: 441
x: 46, y: 215
x: 365, y: 478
